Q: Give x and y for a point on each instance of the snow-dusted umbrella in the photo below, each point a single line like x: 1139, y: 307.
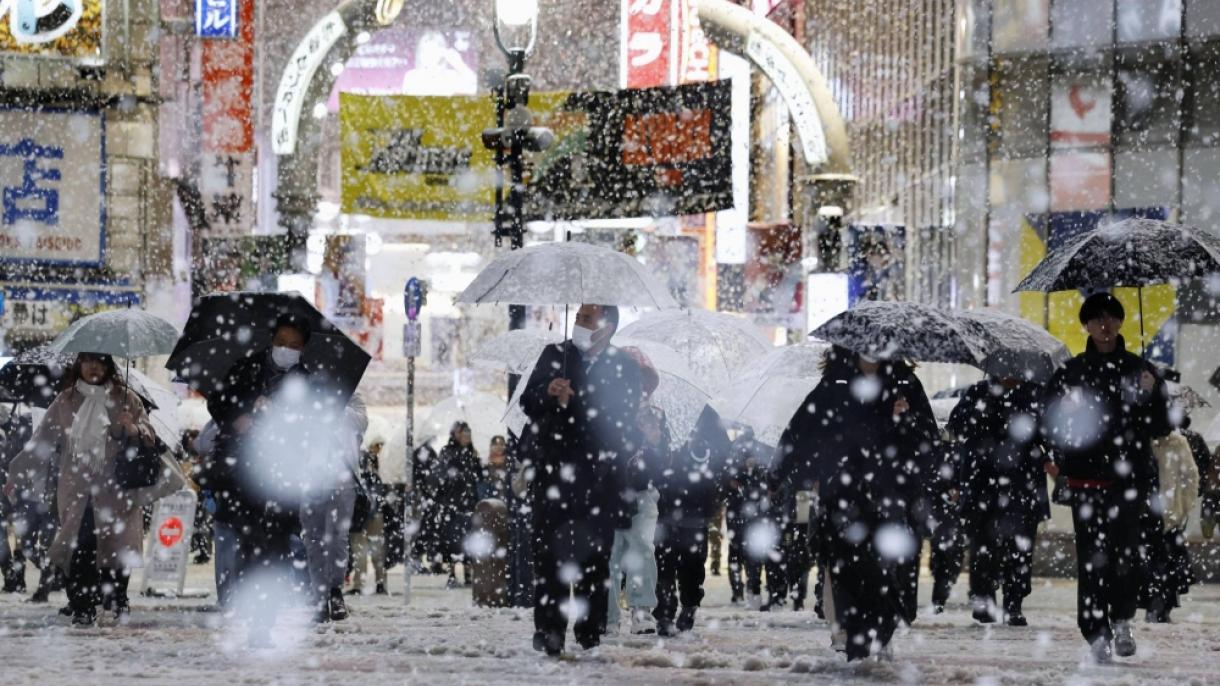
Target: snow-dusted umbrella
x: 122, y: 333
x: 482, y: 411
x: 162, y: 405
x: 1133, y: 252
x: 34, y: 377
x: 567, y: 274
x: 516, y: 351
x: 768, y: 395
x: 224, y: 328
x: 913, y: 331
x: 1014, y: 347
x: 717, y: 346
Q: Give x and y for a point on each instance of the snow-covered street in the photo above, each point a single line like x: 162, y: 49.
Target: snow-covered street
x: 441, y: 639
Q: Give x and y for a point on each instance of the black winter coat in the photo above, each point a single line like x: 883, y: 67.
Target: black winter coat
x: 581, y: 452
x: 1100, y: 424
x: 1000, y: 457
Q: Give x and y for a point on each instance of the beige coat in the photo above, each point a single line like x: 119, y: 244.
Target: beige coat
x: 117, y: 513
x: 1179, y: 477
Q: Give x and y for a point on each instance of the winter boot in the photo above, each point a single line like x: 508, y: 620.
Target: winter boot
x: 86, y: 617
x: 686, y: 619
x: 41, y: 595
x: 1100, y: 651
x: 642, y: 622
x: 666, y: 627
x: 1124, y: 641
x: 1012, y: 612
x: 336, y: 609
x: 539, y: 642
x: 983, y: 609
x: 381, y: 590
x: 773, y: 603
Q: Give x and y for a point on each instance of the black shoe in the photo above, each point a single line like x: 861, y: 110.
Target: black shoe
x: 41, y: 595
x: 539, y: 641
x: 202, y: 559
x: 982, y: 616
x: 589, y: 642
x: 381, y: 590
x: 773, y: 603
x: 938, y: 608
x: 553, y: 644
x: 84, y: 617
x: 798, y: 605
x: 335, y: 607
x: 1017, y: 619
x: 715, y: 572
x: 686, y: 619
x: 666, y: 628
x: 65, y: 611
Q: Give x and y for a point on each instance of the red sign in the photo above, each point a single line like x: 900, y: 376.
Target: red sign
x: 649, y: 43
x: 228, y: 88
x: 170, y: 532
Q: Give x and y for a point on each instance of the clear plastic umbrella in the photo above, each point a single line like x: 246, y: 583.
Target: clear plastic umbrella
x: 482, y: 411
x: 122, y: 333
x: 516, y: 351
x: 715, y: 345
x: 767, y: 396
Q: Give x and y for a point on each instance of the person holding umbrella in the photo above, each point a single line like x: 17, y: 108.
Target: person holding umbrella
x: 1103, y: 410
x: 89, y: 427
x: 582, y: 399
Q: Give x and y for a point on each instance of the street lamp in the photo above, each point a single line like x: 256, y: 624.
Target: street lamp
x: 513, y: 134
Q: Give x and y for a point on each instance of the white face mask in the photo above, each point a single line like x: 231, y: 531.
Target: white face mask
x: 582, y: 338
x: 285, y: 358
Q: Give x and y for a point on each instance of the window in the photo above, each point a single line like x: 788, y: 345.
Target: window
x: 1081, y: 23
x: 1019, y: 25
x: 1080, y: 181
x: 1202, y: 17
x: 1142, y: 20
x: 1080, y: 109
x: 1020, y: 98
x: 1148, y: 178
x: 1204, y: 124
x: 1148, y: 93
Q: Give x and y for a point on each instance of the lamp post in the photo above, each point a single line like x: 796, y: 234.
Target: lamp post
x: 513, y: 135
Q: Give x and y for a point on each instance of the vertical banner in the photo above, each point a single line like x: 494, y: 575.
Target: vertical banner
x: 649, y: 43
x: 227, y: 183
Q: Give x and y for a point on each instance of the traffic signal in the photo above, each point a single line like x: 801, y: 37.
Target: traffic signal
x: 531, y: 138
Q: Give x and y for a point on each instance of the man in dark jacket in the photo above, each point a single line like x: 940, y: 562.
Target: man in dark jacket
x: 1002, y: 486
x: 582, y: 400
x: 1103, y: 410
x: 241, y: 475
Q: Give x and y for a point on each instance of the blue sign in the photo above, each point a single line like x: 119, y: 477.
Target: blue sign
x: 216, y: 18
x: 413, y: 298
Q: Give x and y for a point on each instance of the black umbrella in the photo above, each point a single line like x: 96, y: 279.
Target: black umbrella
x: 1134, y: 252
x: 913, y: 331
x: 1015, y: 348
x: 227, y: 327
x: 34, y: 376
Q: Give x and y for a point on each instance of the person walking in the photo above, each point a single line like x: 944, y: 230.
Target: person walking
x: 456, y: 498
x: 1001, y: 488
x: 327, y: 508
x: 368, y: 538
x: 844, y: 443
x: 1104, y: 408
x: 1169, y: 567
x: 582, y: 399
x: 87, y: 429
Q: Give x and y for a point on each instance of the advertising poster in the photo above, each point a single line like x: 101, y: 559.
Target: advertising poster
x: 402, y: 60
x: 53, y: 28
x: 774, y: 291
x: 876, y: 266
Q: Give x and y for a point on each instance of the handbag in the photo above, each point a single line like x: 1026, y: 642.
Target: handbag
x: 137, y: 465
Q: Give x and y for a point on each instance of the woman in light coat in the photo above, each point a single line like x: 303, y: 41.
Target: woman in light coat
x: 100, y: 538
x: 1169, y: 573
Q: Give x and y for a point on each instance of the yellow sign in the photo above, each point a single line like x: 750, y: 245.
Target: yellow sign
x: 419, y: 157
x: 59, y: 28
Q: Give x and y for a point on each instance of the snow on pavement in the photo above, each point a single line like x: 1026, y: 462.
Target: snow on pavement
x: 442, y: 639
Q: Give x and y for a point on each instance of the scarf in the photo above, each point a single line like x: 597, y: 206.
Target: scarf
x: 87, y: 437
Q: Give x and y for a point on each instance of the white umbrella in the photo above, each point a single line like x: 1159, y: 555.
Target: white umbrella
x: 122, y: 333
x: 766, y: 397
x: 164, y: 415
x: 482, y: 411
x: 567, y: 273
x: 516, y: 351
x: 717, y: 346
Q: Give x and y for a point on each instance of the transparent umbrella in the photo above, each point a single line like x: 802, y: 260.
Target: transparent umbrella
x: 767, y: 396
x: 715, y: 345
x: 516, y: 351
x: 482, y: 411
x: 122, y: 333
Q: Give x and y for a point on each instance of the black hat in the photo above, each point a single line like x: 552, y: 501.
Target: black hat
x: 1101, y: 303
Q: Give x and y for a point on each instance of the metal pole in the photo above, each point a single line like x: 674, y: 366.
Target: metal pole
x: 408, y: 535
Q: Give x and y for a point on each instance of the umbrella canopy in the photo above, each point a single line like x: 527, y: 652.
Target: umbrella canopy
x: 162, y: 404
x: 121, y: 333
x: 227, y: 327
x: 681, y: 393
x: 715, y: 345
x: 1014, y: 347
x: 516, y: 351
x: 482, y: 411
x: 34, y: 376
x: 1186, y: 397
x: 567, y: 273
x: 913, y: 331
x: 767, y: 396
x: 1132, y: 252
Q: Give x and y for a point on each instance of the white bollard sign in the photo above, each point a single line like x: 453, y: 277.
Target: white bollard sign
x: 168, y: 548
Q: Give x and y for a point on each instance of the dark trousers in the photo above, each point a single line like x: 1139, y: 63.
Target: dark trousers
x: 87, y: 585
x: 946, y: 551
x: 1001, y: 558
x: 681, y: 557
x: 1169, y: 569
x: 1108, y: 559
x: 263, y: 576
x: 864, y: 590
x: 571, y: 557
x: 737, y: 557
x: 798, y: 560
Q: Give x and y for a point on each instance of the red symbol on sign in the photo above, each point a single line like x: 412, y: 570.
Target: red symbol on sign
x: 1076, y: 99
x: 170, y: 532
